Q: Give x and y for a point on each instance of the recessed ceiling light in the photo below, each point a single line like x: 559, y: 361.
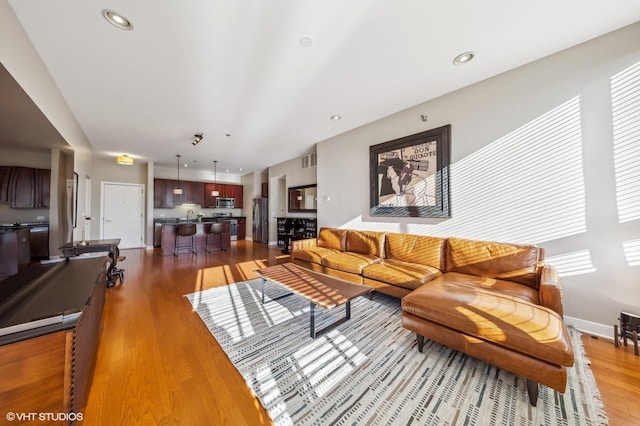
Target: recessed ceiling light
x: 306, y: 41
x: 115, y: 19
x: 463, y: 58
x: 335, y: 118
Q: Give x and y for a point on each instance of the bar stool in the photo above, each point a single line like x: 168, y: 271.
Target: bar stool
x: 216, y: 228
x: 185, y: 231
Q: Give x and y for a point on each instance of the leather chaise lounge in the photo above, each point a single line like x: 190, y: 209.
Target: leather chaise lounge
x: 494, y: 301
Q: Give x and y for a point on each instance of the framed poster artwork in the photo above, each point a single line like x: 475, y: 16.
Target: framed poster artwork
x: 410, y: 176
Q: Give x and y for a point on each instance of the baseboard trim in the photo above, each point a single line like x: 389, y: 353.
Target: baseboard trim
x: 589, y: 327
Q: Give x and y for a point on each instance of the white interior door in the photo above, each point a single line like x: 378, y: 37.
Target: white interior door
x: 123, y: 213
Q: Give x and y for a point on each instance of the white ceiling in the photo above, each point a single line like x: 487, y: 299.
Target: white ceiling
x: 237, y: 66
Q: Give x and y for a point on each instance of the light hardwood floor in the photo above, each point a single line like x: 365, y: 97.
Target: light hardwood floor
x: 158, y: 364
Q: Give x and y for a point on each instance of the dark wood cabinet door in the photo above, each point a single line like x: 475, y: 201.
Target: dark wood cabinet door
x: 242, y: 229
x: 223, y: 189
x: 197, y: 193
x: 209, y: 201
x: 185, y: 197
x: 5, y: 175
x: 168, y: 199
x: 158, y: 193
x: 43, y: 188
x: 22, y: 188
x: 163, y: 193
x: 236, y: 192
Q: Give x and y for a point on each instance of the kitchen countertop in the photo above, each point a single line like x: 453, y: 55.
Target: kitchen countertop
x: 13, y: 226
x: 179, y: 221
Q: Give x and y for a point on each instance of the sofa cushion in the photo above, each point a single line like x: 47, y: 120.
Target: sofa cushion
x: 512, y: 262
x: 349, y: 262
x: 401, y: 274
x: 503, y: 319
x: 420, y: 249
x: 366, y: 242
x: 312, y: 254
x: 509, y: 288
x: 332, y: 238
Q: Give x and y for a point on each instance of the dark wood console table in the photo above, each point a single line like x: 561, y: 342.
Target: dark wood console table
x: 96, y: 246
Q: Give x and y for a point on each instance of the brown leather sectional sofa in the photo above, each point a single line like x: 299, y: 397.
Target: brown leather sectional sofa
x: 494, y: 301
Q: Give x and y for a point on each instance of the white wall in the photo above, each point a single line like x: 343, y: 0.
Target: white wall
x: 198, y: 175
x: 107, y: 170
x: 282, y: 176
x: 519, y: 175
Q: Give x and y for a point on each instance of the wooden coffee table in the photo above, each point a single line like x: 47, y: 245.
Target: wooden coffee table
x: 319, y: 289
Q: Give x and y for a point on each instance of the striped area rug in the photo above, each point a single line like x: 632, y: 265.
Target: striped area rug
x: 369, y: 371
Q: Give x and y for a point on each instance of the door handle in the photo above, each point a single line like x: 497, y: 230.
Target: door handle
x: 108, y: 220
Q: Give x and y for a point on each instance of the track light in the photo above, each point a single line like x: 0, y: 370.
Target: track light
x: 196, y: 139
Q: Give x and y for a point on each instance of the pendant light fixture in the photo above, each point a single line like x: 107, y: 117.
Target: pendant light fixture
x: 215, y: 192
x: 177, y: 190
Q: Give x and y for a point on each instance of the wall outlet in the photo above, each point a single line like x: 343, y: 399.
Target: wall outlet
x: 39, y: 217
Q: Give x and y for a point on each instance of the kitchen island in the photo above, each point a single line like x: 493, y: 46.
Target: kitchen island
x: 202, y: 228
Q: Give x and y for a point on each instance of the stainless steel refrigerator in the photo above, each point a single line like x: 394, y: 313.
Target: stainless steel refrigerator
x: 261, y: 220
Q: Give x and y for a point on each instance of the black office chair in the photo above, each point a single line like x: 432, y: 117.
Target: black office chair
x: 216, y: 228
x: 118, y: 272
x: 187, y: 230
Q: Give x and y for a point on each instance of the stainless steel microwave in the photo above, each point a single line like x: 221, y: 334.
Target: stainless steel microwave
x: 227, y: 203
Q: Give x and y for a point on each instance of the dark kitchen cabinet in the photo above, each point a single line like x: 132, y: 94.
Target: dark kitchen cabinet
x: 210, y: 200
x: 236, y: 192
x: 22, y: 187
x: 197, y: 193
x: 163, y: 193
x: 43, y: 188
x: 226, y: 190
x: 242, y: 229
x: 5, y: 175
x: 28, y: 188
x: 185, y: 197
x: 193, y: 193
x: 163, y: 196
